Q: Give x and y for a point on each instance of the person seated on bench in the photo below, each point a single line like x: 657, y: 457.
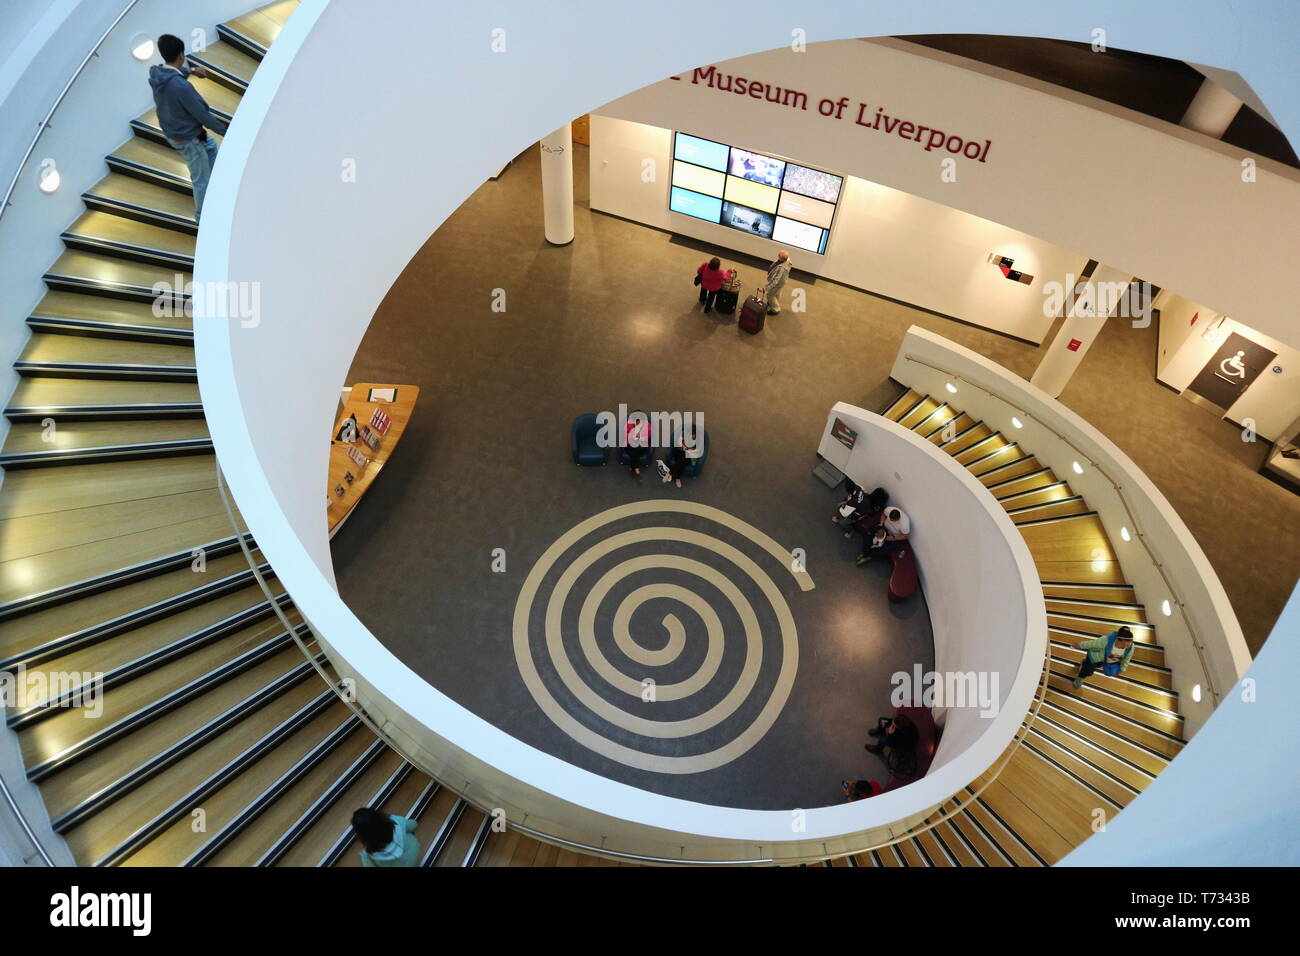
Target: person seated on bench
x: 873, y: 545
x: 636, y: 442
x: 859, y: 508
x: 897, y: 746
x: 688, y: 445
x: 860, y: 789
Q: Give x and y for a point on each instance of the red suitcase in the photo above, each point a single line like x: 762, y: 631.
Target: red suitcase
x: 754, y: 313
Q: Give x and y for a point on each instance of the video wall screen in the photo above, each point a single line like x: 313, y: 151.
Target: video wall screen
x: 768, y: 197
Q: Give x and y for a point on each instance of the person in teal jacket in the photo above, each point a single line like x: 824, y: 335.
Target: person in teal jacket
x: 386, y: 840
x: 1109, y: 654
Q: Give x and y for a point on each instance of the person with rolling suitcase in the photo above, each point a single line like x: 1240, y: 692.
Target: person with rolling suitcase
x: 729, y: 295
x: 754, y: 312
x: 709, y: 277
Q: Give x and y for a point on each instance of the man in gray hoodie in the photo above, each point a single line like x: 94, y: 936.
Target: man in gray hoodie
x: 184, y: 115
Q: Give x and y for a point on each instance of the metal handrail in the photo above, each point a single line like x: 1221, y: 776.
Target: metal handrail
x: 962, y: 797
x: 22, y: 821
x: 1197, y: 643
x: 45, y: 123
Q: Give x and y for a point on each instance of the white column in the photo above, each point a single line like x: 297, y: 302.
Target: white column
x: 1212, y: 110
x: 1087, y: 316
x: 557, y: 186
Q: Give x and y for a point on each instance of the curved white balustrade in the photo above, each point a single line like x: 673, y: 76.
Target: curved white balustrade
x: 344, y: 158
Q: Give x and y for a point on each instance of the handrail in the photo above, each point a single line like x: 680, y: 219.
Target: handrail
x: 22, y: 821
x: 45, y: 123
x: 933, y: 816
x: 1197, y: 643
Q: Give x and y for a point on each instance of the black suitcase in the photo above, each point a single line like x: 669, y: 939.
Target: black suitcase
x: 726, y: 301
x: 753, y: 314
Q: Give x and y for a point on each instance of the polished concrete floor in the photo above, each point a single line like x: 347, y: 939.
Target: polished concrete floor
x: 612, y: 318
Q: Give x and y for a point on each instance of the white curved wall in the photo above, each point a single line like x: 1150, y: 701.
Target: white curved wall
x: 281, y: 214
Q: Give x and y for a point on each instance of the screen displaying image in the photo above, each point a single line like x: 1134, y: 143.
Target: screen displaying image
x: 746, y: 193
x: 754, y: 221
x: 760, y: 169
x: 800, y: 234
x: 695, y: 204
x: 805, y: 210
x: 812, y: 182
x: 698, y: 179
x: 701, y: 152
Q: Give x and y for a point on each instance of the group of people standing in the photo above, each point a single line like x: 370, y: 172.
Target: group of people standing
x: 711, y: 278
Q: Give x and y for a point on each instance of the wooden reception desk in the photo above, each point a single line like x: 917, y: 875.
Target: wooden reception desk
x: 357, y: 459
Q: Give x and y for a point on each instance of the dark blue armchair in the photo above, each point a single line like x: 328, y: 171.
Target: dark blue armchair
x: 696, y: 465
x: 586, y: 451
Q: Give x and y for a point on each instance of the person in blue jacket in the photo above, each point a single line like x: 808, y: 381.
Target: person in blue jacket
x: 184, y: 115
x: 386, y: 840
x: 1109, y: 654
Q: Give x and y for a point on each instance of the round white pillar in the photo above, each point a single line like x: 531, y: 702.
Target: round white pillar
x: 557, y: 186
x: 1212, y: 110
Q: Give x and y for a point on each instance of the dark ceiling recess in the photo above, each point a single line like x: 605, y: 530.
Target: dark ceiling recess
x: 1153, y: 85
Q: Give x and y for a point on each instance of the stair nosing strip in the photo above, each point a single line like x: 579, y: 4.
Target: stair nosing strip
x: 322, y: 804
x: 97, y: 201
x: 159, y: 708
x: 1094, y: 745
x: 1106, y: 730
x: 478, y: 842
x: 269, y: 795
x: 134, y: 572
x: 1031, y: 474
x: 190, y: 743
x: 1029, y: 746
x: 99, y: 244
x: 62, y: 322
x: 232, y: 768
x: 1024, y: 845
x: 443, y: 836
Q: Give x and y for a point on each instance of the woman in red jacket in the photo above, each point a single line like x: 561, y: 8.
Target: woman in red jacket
x: 709, y: 277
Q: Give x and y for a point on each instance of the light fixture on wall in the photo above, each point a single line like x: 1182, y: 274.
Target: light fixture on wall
x: 49, y: 178
x: 1196, y: 693
x: 1078, y: 468
x: 951, y: 387
x: 1123, y: 533
x: 1166, y: 608
x: 1017, y: 422
x: 142, y: 46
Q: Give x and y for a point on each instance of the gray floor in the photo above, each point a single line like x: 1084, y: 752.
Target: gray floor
x: 611, y: 318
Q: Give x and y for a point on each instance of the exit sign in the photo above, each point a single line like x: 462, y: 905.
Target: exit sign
x: 1074, y: 344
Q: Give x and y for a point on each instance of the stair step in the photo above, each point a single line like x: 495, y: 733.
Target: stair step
x: 1100, y: 692
x: 77, y: 356
x: 1095, y: 750
x: 948, y: 430
x: 253, y: 33
x: 72, y: 399
x: 963, y: 440
x: 1150, y: 654
x: 1052, y: 509
x: 153, y: 162
x: 1015, y: 469
x: 95, y: 273
x: 83, y: 442
x: 1123, y: 739
x: 923, y: 410
x: 1117, y: 593
x: 902, y: 405
x: 97, y: 316
x: 142, y: 200
x: 1127, y: 613
x: 113, y: 235
x: 227, y: 64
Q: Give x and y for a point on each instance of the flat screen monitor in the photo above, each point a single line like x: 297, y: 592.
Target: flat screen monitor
x: 698, y: 179
x: 814, y: 211
x: 756, y: 195
x: 753, y: 221
x: 756, y: 167
x: 812, y: 182
x: 701, y: 152
x: 695, y: 204
x: 799, y: 234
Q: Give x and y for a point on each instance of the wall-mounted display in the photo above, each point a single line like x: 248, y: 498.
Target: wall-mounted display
x: 761, y: 195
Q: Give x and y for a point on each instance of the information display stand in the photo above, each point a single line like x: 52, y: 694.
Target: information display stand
x: 368, y: 429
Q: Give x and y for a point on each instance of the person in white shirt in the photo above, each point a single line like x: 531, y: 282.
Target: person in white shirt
x: 895, y: 528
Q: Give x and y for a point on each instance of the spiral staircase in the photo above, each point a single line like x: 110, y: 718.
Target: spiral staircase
x: 219, y: 744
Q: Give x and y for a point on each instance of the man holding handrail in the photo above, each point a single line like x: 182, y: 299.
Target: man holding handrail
x: 184, y: 115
